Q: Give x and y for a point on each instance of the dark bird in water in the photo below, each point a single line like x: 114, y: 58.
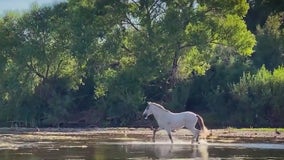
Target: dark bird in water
x: 277, y: 132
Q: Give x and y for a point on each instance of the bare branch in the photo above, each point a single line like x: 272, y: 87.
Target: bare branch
x: 127, y: 49
x: 132, y: 24
x: 186, y: 46
x: 151, y: 7
x: 58, y: 66
x: 134, y: 2
x: 33, y: 69
x: 47, y: 70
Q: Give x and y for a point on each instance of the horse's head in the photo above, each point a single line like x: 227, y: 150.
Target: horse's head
x: 147, y: 112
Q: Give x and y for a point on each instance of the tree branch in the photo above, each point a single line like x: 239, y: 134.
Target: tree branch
x: 127, y: 49
x: 185, y: 46
x: 58, y: 66
x: 133, y: 1
x: 33, y: 69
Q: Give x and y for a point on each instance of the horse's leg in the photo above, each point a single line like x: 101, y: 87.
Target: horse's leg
x: 196, y: 133
x: 170, y: 136
x: 154, y: 133
x: 192, y: 140
x: 197, y: 138
x: 189, y: 125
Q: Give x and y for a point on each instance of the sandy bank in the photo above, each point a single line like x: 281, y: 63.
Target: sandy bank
x: 268, y: 135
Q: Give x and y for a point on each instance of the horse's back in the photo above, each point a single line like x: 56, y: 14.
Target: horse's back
x: 173, y: 121
x: 188, y: 117
x: 187, y: 114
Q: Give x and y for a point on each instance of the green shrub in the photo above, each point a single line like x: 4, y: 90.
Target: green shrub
x: 259, y: 97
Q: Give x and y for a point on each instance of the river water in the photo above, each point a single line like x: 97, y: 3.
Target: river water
x: 100, y: 149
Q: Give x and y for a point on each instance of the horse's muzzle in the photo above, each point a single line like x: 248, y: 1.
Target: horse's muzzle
x: 145, y: 116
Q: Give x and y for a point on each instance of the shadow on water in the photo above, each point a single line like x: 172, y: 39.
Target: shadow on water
x: 93, y: 149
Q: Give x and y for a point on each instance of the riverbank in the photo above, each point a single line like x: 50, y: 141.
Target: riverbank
x: 269, y: 135
x: 136, y: 143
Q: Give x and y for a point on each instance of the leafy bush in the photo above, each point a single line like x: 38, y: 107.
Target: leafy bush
x: 258, y: 98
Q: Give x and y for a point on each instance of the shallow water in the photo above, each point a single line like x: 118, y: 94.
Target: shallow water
x: 137, y: 149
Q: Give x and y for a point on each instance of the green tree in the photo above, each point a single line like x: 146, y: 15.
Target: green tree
x: 13, y: 88
x: 170, y: 35
x: 270, y: 46
x: 39, y: 63
x: 113, y: 55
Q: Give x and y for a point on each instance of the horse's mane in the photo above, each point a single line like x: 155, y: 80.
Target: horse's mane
x: 158, y: 105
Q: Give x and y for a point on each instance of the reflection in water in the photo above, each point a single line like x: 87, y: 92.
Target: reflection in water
x: 92, y: 150
x: 168, y: 151
x: 203, y: 150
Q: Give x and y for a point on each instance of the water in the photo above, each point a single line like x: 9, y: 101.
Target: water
x: 92, y: 149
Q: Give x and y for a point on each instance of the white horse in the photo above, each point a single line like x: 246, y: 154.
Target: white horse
x: 170, y: 121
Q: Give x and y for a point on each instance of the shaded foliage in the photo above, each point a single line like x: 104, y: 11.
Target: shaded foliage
x: 260, y: 10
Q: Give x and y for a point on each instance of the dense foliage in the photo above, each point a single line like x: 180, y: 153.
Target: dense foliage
x: 96, y: 63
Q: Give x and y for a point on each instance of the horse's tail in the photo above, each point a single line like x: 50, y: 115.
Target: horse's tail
x: 204, y: 131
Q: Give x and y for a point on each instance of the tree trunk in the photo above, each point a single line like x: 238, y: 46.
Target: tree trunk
x: 172, y: 80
